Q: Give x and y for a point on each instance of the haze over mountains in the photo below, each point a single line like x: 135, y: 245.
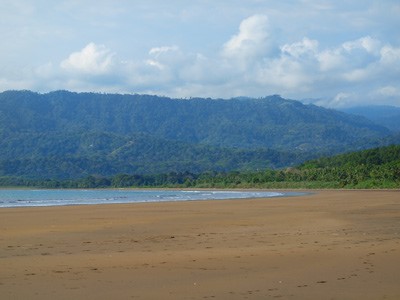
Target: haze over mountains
x: 67, y: 135
x: 385, y: 115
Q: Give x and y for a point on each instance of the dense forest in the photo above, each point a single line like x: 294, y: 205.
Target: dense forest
x: 65, y: 135
x: 373, y: 168
x: 270, y: 122
x: 80, y: 155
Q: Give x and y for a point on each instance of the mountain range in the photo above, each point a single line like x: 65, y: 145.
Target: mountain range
x: 385, y: 115
x: 68, y: 135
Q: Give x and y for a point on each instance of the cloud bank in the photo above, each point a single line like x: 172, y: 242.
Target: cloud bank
x: 253, y: 61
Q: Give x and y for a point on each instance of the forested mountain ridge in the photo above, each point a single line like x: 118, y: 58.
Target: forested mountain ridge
x: 64, y: 134
x: 245, y: 123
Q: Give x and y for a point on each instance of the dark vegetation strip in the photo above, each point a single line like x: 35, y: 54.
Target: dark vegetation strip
x: 374, y: 168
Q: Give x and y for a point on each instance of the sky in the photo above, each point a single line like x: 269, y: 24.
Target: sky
x: 331, y: 53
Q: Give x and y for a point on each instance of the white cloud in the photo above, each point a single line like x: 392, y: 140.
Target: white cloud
x: 390, y: 56
x: 330, y: 60
x: 251, y: 41
x: 350, y: 55
x: 389, y: 91
x: 283, y: 74
x: 165, y: 57
x: 357, y: 75
x: 92, y: 59
x: 158, y: 51
x: 301, y: 67
x: 366, y: 43
x: 298, y: 49
x: 341, y: 99
x: 156, y: 64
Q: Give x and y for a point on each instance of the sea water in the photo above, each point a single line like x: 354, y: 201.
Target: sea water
x: 58, y: 197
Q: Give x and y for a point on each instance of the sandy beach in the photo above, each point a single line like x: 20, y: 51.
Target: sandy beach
x: 327, y: 245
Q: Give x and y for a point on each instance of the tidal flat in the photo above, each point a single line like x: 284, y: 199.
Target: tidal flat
x: 338, y: 244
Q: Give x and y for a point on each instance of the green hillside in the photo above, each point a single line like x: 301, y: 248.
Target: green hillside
x: 270, y: 122
x: 373, y: 168
x: 76, y: 155
x: 63, y: 135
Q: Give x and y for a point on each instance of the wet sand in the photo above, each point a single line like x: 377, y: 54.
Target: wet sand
x: 328, y: 245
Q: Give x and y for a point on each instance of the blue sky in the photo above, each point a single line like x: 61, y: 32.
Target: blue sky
x: 332, y: 53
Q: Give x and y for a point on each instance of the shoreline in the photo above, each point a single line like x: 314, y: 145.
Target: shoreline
x: 341, y: 243
x: 60, y: 197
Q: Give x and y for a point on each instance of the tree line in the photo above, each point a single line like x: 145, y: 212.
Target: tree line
x: 374, y: 168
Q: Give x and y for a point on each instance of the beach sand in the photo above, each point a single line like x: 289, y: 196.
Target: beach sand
x: 328, y: 245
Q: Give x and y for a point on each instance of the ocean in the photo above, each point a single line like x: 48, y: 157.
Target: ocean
x: 62, y: 197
